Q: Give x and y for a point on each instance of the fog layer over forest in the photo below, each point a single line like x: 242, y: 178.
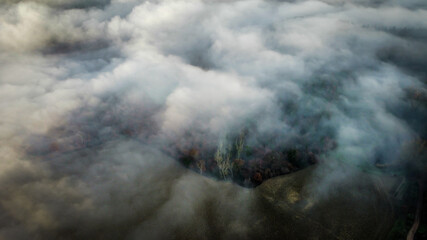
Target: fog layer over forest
x: 100, y: 98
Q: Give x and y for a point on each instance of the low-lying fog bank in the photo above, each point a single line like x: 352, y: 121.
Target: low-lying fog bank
x: 104, y: 103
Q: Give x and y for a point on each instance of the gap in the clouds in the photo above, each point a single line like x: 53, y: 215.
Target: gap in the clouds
x: 240, y: 159
x: 63, y: 47
x: 82, y: 60
x: 237, y: 158
x: 80, y: 4
x: 245, y: 165
x: 412, y: 61
x: 255, y: 166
